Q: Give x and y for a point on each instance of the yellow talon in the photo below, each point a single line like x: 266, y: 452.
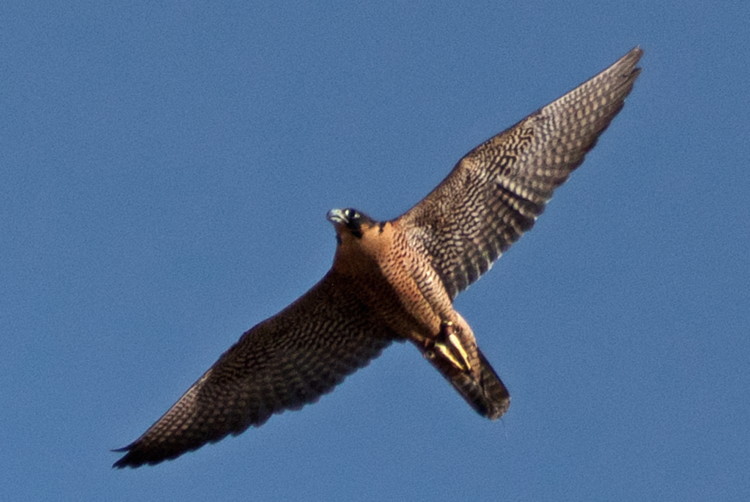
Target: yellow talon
x: 460, y: 348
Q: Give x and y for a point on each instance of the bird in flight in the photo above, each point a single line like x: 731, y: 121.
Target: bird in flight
x: 396, y: 281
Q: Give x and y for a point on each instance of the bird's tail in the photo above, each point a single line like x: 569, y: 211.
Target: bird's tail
x: 486, y: 393
x: 466, y: 368
x: 495, y: 398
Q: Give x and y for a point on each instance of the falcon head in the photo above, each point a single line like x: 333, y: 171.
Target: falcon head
x: 349, y: 222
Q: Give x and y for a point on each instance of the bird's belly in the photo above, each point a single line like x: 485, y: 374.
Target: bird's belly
x: 410, y: 300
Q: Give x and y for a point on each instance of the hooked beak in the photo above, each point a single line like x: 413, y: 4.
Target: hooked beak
x: 336, y: 216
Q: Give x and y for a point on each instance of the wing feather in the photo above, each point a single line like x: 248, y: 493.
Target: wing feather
x: 282, y: 363
x: 495, y: 193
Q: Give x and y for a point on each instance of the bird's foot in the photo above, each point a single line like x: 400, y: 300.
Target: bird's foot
x: 447, y: 345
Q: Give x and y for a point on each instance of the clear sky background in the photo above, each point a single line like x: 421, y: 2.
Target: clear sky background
x: 165, y: 170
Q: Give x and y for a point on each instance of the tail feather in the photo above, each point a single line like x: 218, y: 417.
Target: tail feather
x: 482, y: 388
x: 486, y: 394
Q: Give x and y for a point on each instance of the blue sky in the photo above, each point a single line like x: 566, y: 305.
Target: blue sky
x: 165, y: 170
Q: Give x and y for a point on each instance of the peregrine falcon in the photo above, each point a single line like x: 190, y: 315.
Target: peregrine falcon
x: 396, y: 281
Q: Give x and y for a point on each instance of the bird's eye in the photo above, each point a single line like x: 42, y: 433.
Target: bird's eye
x: 352, y: 214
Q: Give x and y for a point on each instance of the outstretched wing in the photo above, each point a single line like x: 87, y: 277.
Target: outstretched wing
x: 282, y: 363
x: 496, y: 192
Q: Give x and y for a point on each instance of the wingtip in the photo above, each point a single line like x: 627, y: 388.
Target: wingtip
x: 634, y: 55
x: 120, y: 465
x: 133, y: 461
x: 133, y: 457
x: 125, y: 460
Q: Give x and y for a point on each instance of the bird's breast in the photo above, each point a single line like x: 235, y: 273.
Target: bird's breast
x: 396, y: 282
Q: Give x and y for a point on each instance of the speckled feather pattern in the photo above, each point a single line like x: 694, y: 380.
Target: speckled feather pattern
x: 283, y: 363
x: 396, y: 280
x: 496, y: 192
